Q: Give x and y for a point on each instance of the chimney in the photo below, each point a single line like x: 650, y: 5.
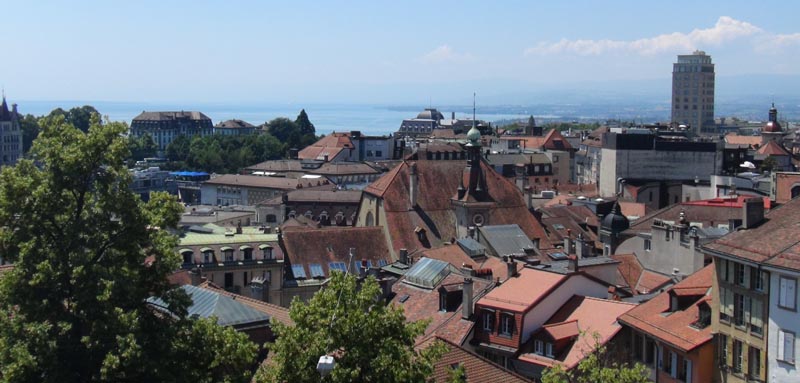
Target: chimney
x: 362, y: 271
x: 568, y: 249
x: 471, y: 232
x: 195, y: 277
x: 466, y: 300
x: 452, y: 115
x: 752, y: 212
x: 325, y: 158
x: 519, y: 172
x: 511, y: 266
x: 580, y: 247
x: 573, y: 267
x: 467, y: 269
x: 404, y: 256
x: 353, y: 266
x: 413, y: 186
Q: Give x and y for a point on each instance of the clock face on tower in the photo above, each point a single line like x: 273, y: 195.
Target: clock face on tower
x: 478, y: 219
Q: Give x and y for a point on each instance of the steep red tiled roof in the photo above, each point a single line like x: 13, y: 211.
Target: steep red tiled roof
x: 476, y: 368
x: 438, y: 183
x: 594, y: 317
x: 772, y: 148
x: 775, y: 242
x: 422, y: 303
x: 633, y: 209
x: 654, y: 319
x: 629, y: 269
x: 322, y: 246
x: 651, y: 281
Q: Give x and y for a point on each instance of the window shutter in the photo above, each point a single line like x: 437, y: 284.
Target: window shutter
x: 674, y: 364
x: 782, y: 293
x: 729, y: 302
x: 688, y: 370
x: 746, y: 275
x: 747, y: 303
x: 756, y: 312
x: 729, y: 276
x: 781, y: 342
x: 790, y: 298
x: 788, y: 347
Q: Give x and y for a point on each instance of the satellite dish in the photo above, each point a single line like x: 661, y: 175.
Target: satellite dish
x: 748, y: 165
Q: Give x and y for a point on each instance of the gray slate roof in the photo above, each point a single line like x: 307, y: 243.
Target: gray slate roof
x: 206, y: 303
x: 506, y: 239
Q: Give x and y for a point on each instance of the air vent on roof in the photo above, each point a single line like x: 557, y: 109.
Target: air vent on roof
x: 403, y: 298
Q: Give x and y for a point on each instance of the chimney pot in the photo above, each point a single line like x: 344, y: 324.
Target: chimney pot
x: 404, y: 256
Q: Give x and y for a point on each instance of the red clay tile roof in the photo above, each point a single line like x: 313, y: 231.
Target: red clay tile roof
x: 331, y: 145
x: 775, y: 242
x: 595, y: 317
x: 735, y: 139
x: 629, y: 269
x: 772, y: 148
x: 454, y: 255
x: 708, y: 212
x: 322, y: 246
x: 562, y: 330
x: 651, y: 281
x: 476, y: 368
x: 536, y: 284
x: 438, y: 183
x: 633, y: 209
x: 553, y: 140
x: 280, y: 314
x: 674, y: 328
x: 424, y: 304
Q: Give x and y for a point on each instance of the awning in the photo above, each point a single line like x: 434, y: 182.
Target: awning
x: 225, y: 248
x: 264, y: 246
x: 245, y: 247
x: 184, y: 251
x: 206, y: 249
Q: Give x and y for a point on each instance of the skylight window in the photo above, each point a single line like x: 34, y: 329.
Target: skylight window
x: 316, y: 270
x: 299, y: 272
x: 338, y: 266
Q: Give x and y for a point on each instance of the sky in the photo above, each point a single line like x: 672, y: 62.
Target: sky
x: 402, y: 52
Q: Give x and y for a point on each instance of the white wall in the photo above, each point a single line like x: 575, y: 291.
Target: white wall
x: 780, y: 318
x: 575, y: 285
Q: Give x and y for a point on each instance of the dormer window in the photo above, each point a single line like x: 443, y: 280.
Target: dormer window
x: 487, y: 318
x: 549, y: 349
x: 538, y: 347
x: 267, y: 250
x: 506, y: 324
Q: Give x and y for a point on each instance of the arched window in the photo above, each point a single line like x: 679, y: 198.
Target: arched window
x: 370, y: 219
x: 188, y: 256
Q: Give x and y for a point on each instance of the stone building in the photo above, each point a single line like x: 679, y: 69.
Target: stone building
x: 10, y: 134
x: 693, y: 92
x: 164, y: 127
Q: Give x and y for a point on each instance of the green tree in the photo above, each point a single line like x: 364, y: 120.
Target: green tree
x: 598, y: 367
x: 30, y: 130
x: 281, y: 128
x: 303, y: 124
x: 371, y: 341
x: 142, y: 147
x: 179, y: 148
x: 769, y: 164
x: 87, y: 254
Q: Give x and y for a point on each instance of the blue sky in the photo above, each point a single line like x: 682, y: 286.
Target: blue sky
x: 376, y: 51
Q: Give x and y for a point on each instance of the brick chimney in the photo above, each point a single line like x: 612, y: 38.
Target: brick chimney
x: 404, y: 256
x: 466, y: 301
x: 467, y: 269
x: 511, y: 266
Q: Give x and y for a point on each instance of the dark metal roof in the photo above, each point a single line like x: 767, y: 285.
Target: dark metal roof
x: 506, y: 239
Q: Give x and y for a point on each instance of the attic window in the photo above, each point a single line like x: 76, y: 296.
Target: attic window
x: 704, y: 316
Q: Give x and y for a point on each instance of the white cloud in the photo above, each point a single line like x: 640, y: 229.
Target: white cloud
x: 442, y: 54
x: 726, y: 30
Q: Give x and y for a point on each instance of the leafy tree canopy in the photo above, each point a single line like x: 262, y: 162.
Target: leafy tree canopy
x: 598, y: 367
x: 79, y: 117
x: 223, y: 153
x: 371, y: 341
x: 87, y: 254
